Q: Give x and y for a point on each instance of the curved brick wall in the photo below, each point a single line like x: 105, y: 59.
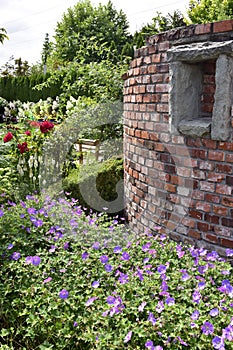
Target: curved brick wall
x: 182, y: 182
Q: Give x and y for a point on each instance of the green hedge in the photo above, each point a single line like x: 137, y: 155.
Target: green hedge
x: 105, y: 176
x: 21, y: 88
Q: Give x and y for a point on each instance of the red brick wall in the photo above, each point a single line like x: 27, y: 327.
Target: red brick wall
x: 183, y: 184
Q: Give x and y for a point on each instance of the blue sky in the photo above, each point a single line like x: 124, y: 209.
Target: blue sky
x: 28, y: 21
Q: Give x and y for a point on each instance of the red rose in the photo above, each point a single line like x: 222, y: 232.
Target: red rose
x: 46, y: 126
x: 23, y: 147
x: 8, y: 137
x: 28, y: 133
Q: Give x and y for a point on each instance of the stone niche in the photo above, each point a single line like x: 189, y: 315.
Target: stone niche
x: 201, y: 89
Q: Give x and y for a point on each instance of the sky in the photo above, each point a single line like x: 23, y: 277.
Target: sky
x: 28, y: 21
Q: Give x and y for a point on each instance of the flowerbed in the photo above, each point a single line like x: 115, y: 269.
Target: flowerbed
x: 74, y: 280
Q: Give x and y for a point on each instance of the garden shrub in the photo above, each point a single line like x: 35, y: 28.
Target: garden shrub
x: 104, y: 175
x: 69, y: 280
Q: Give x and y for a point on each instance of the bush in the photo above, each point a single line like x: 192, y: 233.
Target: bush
x: 103, y: 177
x: 73, y: 281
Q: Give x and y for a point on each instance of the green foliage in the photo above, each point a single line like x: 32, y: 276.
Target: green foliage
x: 104, y: 176
x: 22, y: 88
x: 69, y: 280
x: 83, y: 24
x: 204, y: 11
x: 3, y: 35
x: 160, y: 23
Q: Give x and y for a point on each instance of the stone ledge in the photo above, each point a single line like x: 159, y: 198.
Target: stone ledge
x: 200, y: 127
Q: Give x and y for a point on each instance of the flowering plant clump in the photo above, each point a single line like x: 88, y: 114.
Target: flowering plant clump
x: 72, y: 280
x: 26, y: 151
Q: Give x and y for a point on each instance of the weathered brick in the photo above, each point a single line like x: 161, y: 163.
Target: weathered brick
x: 203, y: 28
x: 227, y: 242
x: 213, y: 219
x: 224, y: 168
x: 223, y: 26
x: 228, y: 201
x: 189, y: 222
x: 209, y: 143
x: 223, y: 189
x: 213, y: 177
x: 195, y: 214
x: 207, y: 186
x: 229, y: 180
x: 229, y: 158
x: 213, y: 198
x: 227, y: 222
x: 203, y: 226
x: 216, y: 155
x: 226, y: 146
x: 222, y: 231
x: 203, y: 206
x: 194, y: 234
x: 220, y: 210
x: 170, y: 188
x: 211, y: 238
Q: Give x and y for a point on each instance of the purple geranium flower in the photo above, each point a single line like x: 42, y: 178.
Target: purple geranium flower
x: 125, y: 256
x: 214, y: 312
x: 32, y: 211
x: 151, y: 318
x: 207, y: 328
x: 218, y: 343
x: 47, y: 280
x: 117, y: 249
x: 229, y: 252
x: 160, y: 307
x: 161, y: 269
x: 124, y: 278
x: 15, y: 256
x: 63, y: 294
x: 170, y: 301
x: 128, y: 337
x: 90, y: 301
x: 108, y: 267
x: 141, y: 307
x: 85, y: 255
x: 75, y: 324
x: 196, y: 297
x: 195, y: 315
x: 149, y: 345
x: 185, y: 276
x: 95, y: 284
x: 111, y: 300
x: 1, y: 213
x: 10, y: 246
x: 104, y: 259
x: 96, y: 246
x: 36, y: 260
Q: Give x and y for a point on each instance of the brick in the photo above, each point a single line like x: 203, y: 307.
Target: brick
x: 203, y: 227
x: 156, y: 58
x: 216, y: 155
x: 227, y: 222
x: 213, y: 177
x: 212, y: 198
x: 203, y: 207
x: 228, y: 201
x: 220, y: 210
x: 194, y: 234
x: 229, y: 180
x: 211, y: 238
x: 228, y: 243
x: 213, y: 219
x: 229, y: 158
x: 162, y: 88
x: 224, y: 168
x: 198, y: 195
x: 207, y: 186
x: 223, y: 26
x: 226, y: 146
x: 195, y: 214
x: 162, y: 108
x: 152, y: 69
x: 222, y: 231
x: 170, y: 188
x: 209, y: 143
x: 206, y: 165
x: 189, y: 222
x: 157, y: 78
x: 198, y: 153
x: 203, y: 28
x: 198, y: 174
x: 223, y: 189
x: 147, y: 60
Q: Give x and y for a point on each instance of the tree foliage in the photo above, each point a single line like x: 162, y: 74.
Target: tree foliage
x: 204, y: 11
x: 3, y: 35
x: 160, y: 23
x: 83, y: 24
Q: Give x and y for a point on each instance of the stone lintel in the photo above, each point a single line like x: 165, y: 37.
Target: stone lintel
x: 199, y: 127
x: 200, y: 51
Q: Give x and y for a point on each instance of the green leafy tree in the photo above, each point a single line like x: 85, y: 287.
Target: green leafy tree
x: 47, y: 47
x: 159, y: 24
x: 204, y: 11
x: 3, y: 35
x: 84, y: 24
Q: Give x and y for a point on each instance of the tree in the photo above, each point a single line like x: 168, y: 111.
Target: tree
x: 159, y: 24
x: 83, y: 24
x: 3, y: 35
x: 204, y: 11
x: 15, y: 68
x: 47, y: 47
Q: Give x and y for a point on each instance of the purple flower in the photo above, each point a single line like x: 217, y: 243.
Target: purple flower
x: 164, y: 286
x: 90, y: 301
x: 96, y: 246
x: 195, y: 315
x: 117, y: 249
x: 28, y: 260
x: 123, y: 279
x: 95, y: 284
x: 214, y: 312
x: 111, y: 300
x: 149, y: 345
x: 32, y: 211
x: 104, y: 259
x: 170, y: 301
x: 202, y: 269
x: 160, y: 307
x: 185, y: 276
x: 1, y: 213
x: 141, y: 307
x: 36, y: 260
x: 179, y: 251
x: 161, y: 269
x: 85, y: 256
x: 108, y: 267
x: 52, y: 249
x: 227, y: 332
x: 201, y: 285
x: 158, y: 347
x: 207, y: 328
x: 196, y: 297
x: 47, y: 280
x: 63, y: 294
x: 15, y: 256
x: 218, y: 343
x: 125, y: 256
x: 128, y: 337
x: 151, y: 318
x: 66, y: 245
x: 10, y: 246
x: 146, y: 247
x: 75, y: 324
x: 212, y: 256
x: 229, y: 252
